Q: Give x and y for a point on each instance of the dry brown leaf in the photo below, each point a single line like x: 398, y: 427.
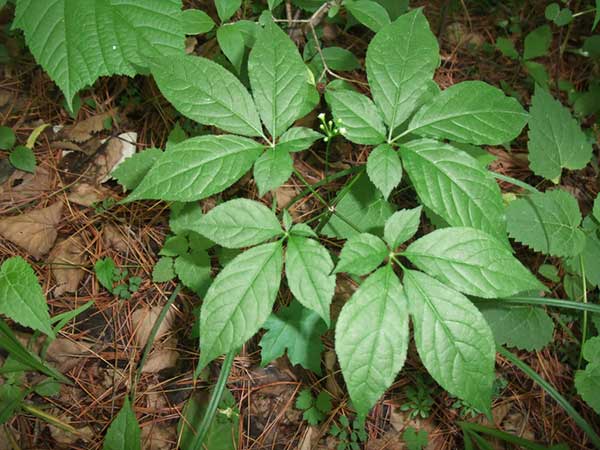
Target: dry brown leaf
x: 34, y: 231
x: 331, y: 383
x: 84, y: 130
x: 64, y: 437
x: 22, y: 186
x: 159, y: 437
x: 66, y: 354
x: 143, y: 320
x: 116, y: 238
x: 163, y: 357
x: 86, y: 195
x: 66, y: 259
x: 5, y: 97
x: 389, y: 441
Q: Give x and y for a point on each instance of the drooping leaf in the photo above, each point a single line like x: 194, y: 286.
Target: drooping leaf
x: 470, y: 112
x: 547, y: 222
x: 272, y: 169
x: 278, y: 79
x: 364, y: 207
x: 22, y: 158
x: 371, y: 338
x: 21, y: 296
x: 455, y: 186
x: 193, y: 269
x: 227, y: 8
x: 239, y: 300
x: 453, y: 339
x: 124, y: 432
x: 239, y: 223
x: 401, y: 60
x: 402, y: 226
x: 384, y: 168
x: 232, y: 45
x: 395, y: 8
x: 555, y: 138
x: 587, y: 381
x: 197, y: 168
x: 472, y: 262
x: 524, y: 327
x: 369, y: 13
x: 78, y: 42
x: 297, y: 139
x: 358, y: 116
x: 130, y: 172
x: 537, y: 43
x: 208, y: 93
x: 308, y: 268
x: 361, y: 254
x: 195, y: 21
x: 297, y: 330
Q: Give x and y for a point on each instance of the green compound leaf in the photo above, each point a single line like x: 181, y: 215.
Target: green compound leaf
x: 547, y: 222
x: 384, y: 169
x: 555, y: 138
x: 453, y: 339
x: 198, y: 168
x: 227, y: 8
x: 401, y: 60
x: 297, y: 139
x: 272, y: 169
x: 21, y: 296
x: 364, y: 207
x: 278, y: 79
x: 361, y: 254
x: 587, y: 382
x: 455, y: 186
x: 239, y: 223
x: 297, y: 330
x: 471, y: 112
x: 369, y: 13
x: 78, y: 41
x: 371, y: 338
x: 524, y: 327
x: 239, y: 300
x: 193, y: 269
x: 208, y: 93
x: 124, y: 432
x: 402, y: 226
x: 22, y: 158
x: 472, y: 262
x: 308, y: 268
x: 358, y: 115
x: 537, y: 43
x: 130, y: 172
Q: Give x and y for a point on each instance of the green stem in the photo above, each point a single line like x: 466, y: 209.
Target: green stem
x: 569, y: 409
x: 541, y: 301
x: 585, y: 315
x: 213, y: 404
x: 516, y: 182
x: 506, y: 437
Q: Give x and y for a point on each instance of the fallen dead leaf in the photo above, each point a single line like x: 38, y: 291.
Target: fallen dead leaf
x: 331, y: 384
x: 143, y: 320
x: 64, y: 437
x: 162, y: 357
x: 66, y: 354
x: 115, y: 237
x: 66, y: 259
x: 34, y: 231
x: 85, y: 129
x: 392, y: 440
x: 159, y: 437
x: 85, y: 194
x: 23, y: 186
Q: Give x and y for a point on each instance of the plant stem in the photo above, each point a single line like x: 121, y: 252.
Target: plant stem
x: 516, y: 182
x: 541, y: 301
x: 585, y: 315
x: 215, y: 399
x: 569, y: 409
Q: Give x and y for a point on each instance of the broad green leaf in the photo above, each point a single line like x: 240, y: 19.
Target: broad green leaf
x: 303, y: 230
x: 455, y: 186
x: 105, y: 271
x: 363, y: 206
x: 338, y: 58
x: 278, y: 79
x: 547, y: 222
x: 185, y: 217
x: 208, y: 93
x: 193, y: 269
x: 555, y: 138
x: 124, y: 432
x: 358, y: 115
x: 22, y: 158
x: 197, y: 168
x: 163, y: 270
x: 131, y: 172
x: 239, y: 223
x: 472, y: 262
x: 471, y: 112
x: 195, y: 21
x: 239, y: 300
x: 174, y: 246
x: 272, y: 169
x: 77, y: 42
x: 371, y: 338
x: 274, y: 3
x: 507, y: 47
x: 384, y: 169
x: 453, y: 339
x: 537, y: 43
x: 11, y: 400
x: 401, y: 60
x: 402, y: 226
x: 297, y: 139
x: 227, y: 8
x: 232, y: 45
x: 297, y: 330
x: 308, y: 268
x: 8, y: 138
x: 524, y: 327
x: 590, y: 256
x: 537, y: 72
x: 361, y: 254
x: 415, y: 440
x: 596, y: 210
x: 21, y: 296
x: 587, y: 382
x: 395, y: 8
x: 369, y: 13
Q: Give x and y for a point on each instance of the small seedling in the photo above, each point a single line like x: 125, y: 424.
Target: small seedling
x: 115, y: 280
x: 415, y: 439
x: 314, y: 409
x: 419, y: 400
x: 350, y: 436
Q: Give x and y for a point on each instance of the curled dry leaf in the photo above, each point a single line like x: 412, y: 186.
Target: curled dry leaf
x: 66, y: 354
x: 34, y: 231
x: 162, y: 357
x: 66, y: 259
x: 85, y: 129
x: 85, y: 194
x: 23, y: 186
